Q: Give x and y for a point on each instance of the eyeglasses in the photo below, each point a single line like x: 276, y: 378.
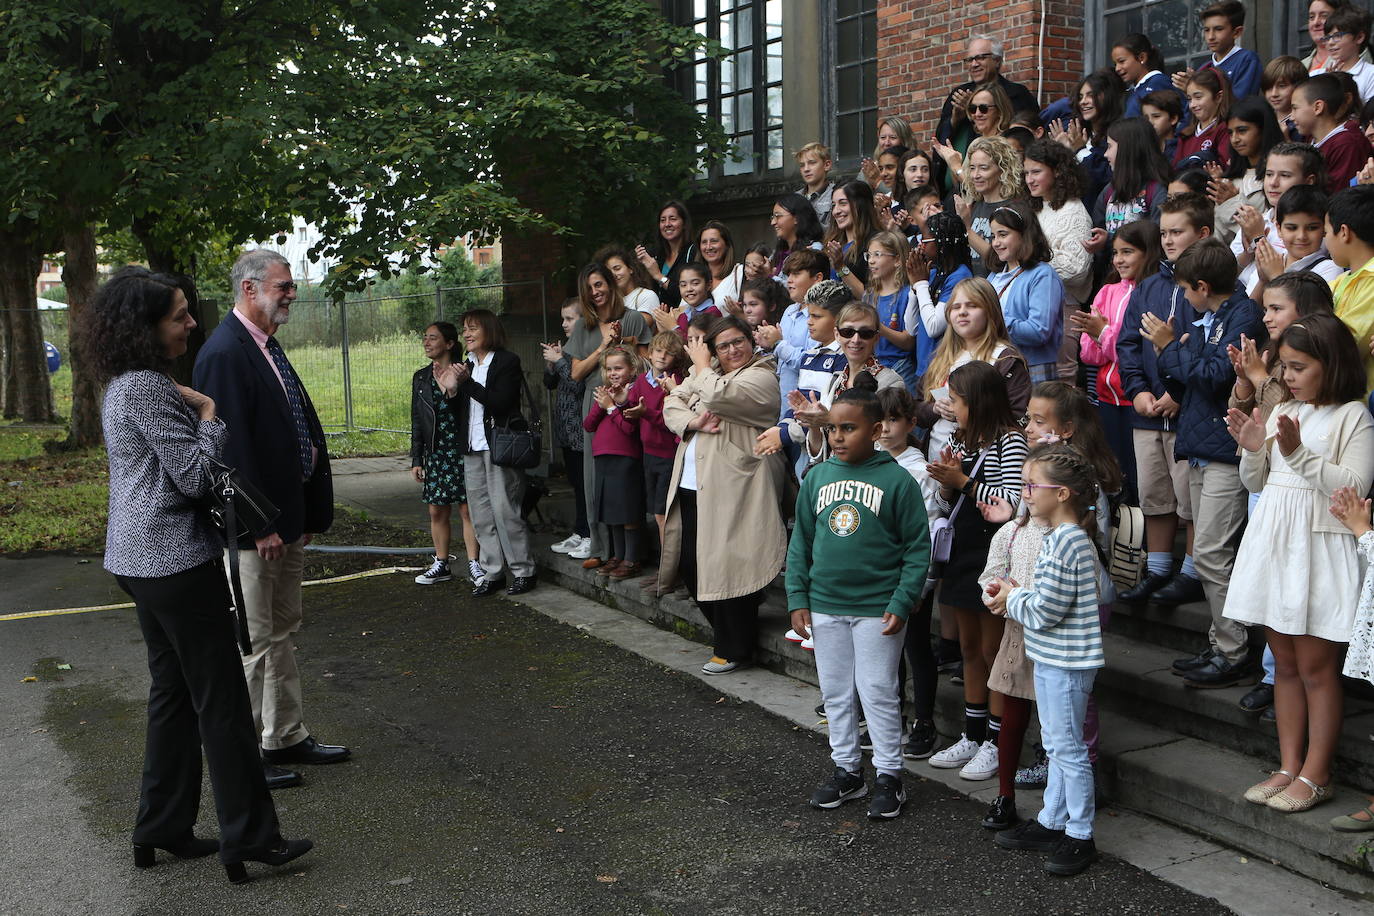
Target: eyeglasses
x: 871, y: 256
x: 1334, y: 36
x: 981, y: 109
x: 864, y: 333
x: 1029, y: 488
x: 731, y: 344
x: 285, y: 286
x: 970, y: 61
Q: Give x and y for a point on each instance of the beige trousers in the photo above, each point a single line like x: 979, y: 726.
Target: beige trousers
x: 1219, y: 504
x: 272, y: 603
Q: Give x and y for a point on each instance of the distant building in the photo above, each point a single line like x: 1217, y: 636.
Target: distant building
x: 49, y: 276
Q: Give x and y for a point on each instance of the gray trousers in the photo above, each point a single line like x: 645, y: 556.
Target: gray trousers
x: 600, y: 534
x: 494, y: 497
x: 853, y: 657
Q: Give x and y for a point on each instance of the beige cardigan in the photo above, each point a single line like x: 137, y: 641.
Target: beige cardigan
x: 1351, y: 463
x: 741, y: 537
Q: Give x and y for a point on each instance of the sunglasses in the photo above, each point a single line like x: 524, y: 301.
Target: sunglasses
x: 864, y: 333
x: 981, y: 109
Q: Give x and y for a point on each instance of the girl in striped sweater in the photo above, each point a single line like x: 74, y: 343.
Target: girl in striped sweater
x: 1064, y: 640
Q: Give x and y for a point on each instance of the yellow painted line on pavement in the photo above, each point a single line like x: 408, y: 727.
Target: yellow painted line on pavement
x: 58, y: 612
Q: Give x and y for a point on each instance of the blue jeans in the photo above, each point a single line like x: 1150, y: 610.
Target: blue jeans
x: 1061, y: 694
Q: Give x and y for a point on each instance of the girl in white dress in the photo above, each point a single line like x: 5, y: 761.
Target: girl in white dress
x: 1297, y: 571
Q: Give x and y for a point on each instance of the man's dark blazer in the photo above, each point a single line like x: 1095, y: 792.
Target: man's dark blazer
x: 232, y: 370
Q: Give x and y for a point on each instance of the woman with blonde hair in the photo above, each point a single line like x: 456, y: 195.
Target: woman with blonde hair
x: 990, y: 176
x: 892, y: 132
x: 977, y: 331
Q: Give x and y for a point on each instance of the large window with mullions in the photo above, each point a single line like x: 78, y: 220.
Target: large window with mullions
x: 855, y: 89
x: 743, y: 91
x: 1174, y: 27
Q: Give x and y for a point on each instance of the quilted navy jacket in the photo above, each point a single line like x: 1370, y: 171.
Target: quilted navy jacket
x: 1200, y: 371
x: 1157, y: 295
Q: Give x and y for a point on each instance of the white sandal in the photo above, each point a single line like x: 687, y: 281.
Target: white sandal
x: 1259, y: 794
x: 1290, y: 805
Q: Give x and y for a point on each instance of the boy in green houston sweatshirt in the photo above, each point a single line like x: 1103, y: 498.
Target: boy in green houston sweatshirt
x: 856, y: 564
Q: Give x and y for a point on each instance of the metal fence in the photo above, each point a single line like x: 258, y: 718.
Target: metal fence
x: 355, y: 357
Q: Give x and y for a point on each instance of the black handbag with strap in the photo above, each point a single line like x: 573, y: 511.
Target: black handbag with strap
x: 516, y: 443
x: 240, y: 510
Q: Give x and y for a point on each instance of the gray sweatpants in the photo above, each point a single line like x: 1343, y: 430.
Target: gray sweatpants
x: 494, y: 497
x: 852, y: 653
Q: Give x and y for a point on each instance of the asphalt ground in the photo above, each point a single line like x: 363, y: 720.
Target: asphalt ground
x: 503, y: 763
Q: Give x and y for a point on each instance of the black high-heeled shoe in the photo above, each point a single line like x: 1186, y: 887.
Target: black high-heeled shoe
x: 282, y: 853
x: 145, y: 854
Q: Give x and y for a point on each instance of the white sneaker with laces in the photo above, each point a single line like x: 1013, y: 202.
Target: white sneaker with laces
x: 956, y: 755
x: 568, y: 543
x: 983, y: 765
x: 583, y: 550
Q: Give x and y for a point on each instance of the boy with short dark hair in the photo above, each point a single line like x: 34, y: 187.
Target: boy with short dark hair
x: 1301, y: 220
x: 1350, y: 242
x: 1163, y: 480
x: 1223, y: 23
x: 814, y: 162
x: 1319, y: 110
x: 858, y: 510
x: 1197, y: 369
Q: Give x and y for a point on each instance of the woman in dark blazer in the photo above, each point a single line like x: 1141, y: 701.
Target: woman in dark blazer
x: 166, y: 554
x: 489, y: 384
x: 436, y: 454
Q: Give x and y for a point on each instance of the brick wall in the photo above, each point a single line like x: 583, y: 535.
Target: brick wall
x: 921, y: 44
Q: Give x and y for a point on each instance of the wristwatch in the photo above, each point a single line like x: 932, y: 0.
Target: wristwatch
x: 845, y: 271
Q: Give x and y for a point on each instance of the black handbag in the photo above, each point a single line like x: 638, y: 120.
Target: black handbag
x: 239, y: 510
x: 516, y: 443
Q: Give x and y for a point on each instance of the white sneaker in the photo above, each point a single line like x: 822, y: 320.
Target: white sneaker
x: 808, y: 644
x: 718, y: 665
x: 793, y: 636
x: 956, y: 755
x: 583, y: 550
x: 983, y: 765
x: 568, y: 543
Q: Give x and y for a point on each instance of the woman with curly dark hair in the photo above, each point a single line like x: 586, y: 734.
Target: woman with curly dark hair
x: 1054, y: 188
x: 165, y: 553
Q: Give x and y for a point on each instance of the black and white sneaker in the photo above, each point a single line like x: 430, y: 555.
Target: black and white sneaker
x: 475, y: 572
x: 888, y: 797
x: 437, y: 572
x: 920, y: 744
x: 840, y: 787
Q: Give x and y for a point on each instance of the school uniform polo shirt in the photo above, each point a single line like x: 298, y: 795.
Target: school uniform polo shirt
x: 1354, y: 295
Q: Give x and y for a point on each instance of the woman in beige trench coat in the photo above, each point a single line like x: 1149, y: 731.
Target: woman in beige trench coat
x: 725, y: 537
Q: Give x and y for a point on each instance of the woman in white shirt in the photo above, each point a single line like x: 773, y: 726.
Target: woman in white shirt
x: 717, y: 249
x: 633, y: 281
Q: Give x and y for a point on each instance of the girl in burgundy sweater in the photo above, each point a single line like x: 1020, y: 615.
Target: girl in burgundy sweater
x: 617, y: 494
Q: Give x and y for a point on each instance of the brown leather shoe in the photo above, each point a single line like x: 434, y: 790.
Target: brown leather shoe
x: 591, y: 562
x: 625, y: 571
x: 608, y: 567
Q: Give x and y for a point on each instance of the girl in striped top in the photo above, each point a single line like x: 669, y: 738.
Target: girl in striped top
x: 1064, y: 640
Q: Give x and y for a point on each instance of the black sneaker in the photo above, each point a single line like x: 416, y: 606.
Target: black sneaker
x: 1145, y: 589
x: 1029, y: 835
x: 840, y: 787
x: 1071, y: 856
x: 820, y: 710
x: 1180, y: 590
x: 1002, y: 814
x: 1258, y: 699
x: 888, y: 797
x: 1218, y: 672
x: 437, y: 572
x: 1267, y: 717
x: 865, y: 742
x: 947, y: 655
x: 920, y: 744
x: 1193, y: 662
x: 956, y: 674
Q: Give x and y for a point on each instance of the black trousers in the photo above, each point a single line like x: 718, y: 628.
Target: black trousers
x: 572, y: 462
x: 920, y: 660
x: 734, y: 621
x: 198, y: 698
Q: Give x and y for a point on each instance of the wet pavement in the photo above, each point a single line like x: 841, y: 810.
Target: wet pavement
x: 504, y: 763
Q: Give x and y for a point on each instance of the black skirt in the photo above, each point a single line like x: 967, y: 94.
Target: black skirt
x: 968, y: 555
x: 618, y: 490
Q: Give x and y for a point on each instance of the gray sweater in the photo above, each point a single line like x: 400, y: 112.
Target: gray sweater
x: 157, y: 446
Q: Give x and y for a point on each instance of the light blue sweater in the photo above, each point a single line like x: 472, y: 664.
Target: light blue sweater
x: 1060, y: 612
x: 1033, y: 305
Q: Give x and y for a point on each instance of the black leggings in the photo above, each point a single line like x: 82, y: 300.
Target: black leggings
x: 572, y: 463
x: 918, y: 658
x: 734, y: 621
x: 198, y: 698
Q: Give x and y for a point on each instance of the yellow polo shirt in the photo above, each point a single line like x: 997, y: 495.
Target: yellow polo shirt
x: 1354, y: 295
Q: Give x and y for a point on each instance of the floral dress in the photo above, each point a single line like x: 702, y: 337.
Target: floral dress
x: 1359, y: 660
x: 444, y: 483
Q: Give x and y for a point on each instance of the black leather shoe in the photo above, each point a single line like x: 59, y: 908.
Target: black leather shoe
x: 1180, y: 590
x: 1145, y: 588
x: 279, y: 777
x: 1002, y: 814
x: 1259, y: 699
x: 307, y: 751
x: 1218, y: 672
x: 1193, y: 662
x: 488, y: 587
x: 145, y: 854
x: 521, y: 584
x: 285, y: 851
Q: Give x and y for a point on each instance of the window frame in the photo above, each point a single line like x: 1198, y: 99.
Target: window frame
x: 830, y: 86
